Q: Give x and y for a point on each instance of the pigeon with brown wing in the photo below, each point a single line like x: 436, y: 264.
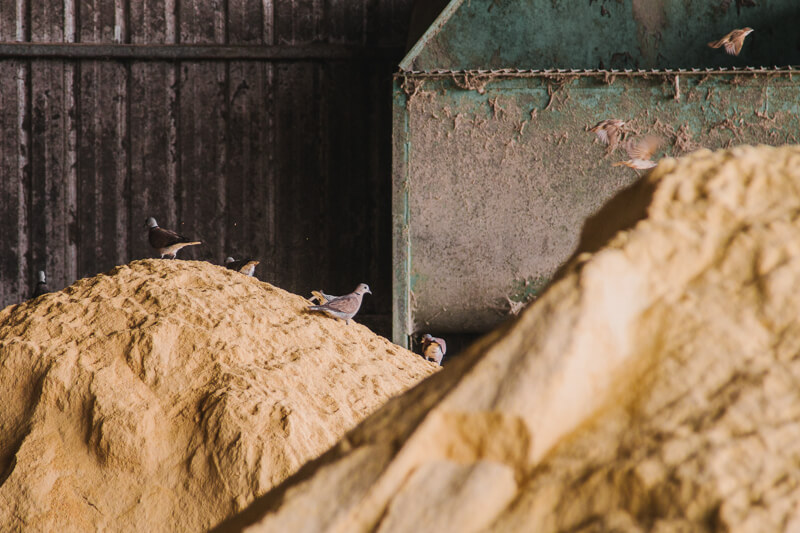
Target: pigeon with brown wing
x: 609, y: 131
x: 245, y: 266
x: 344, y: 307
x: 433, y: 348
x: 640, y: 153
x: 733, y: 41
x: 165, y: 241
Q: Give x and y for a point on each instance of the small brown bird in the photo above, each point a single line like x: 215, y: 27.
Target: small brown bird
x: 640, y: 153
x: 165, y: 241
x: 433, y: 348
x: 609, y: 131
x: 344, y: 307
x: 733, y: 41
x: 245, y: 266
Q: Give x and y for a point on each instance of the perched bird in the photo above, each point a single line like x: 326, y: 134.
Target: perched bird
x: 344, y: 307
x: 433, y: 348
x: 320, y: 297
x: 640, y: 153
x: 609, y: 131
x: 41, y: 285
x: 733, y: 41
x: 245, y: 266
x: 166, y: 242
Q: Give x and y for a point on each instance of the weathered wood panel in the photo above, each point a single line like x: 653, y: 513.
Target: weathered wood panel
x: 287, y: 161
x: 14, y: 180
x: 250, y: 221
x: 53, y: 194
x: 153, y: 125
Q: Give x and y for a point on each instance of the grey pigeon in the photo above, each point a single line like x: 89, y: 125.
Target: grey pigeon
x: 433, y: 348
x: 344, y: 307
x: 41, y: 285
x: 245, y: 266
x: 165, y: 241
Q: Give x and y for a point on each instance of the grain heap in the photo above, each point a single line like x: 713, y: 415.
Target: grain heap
x: 654, y: 387
x: 166, y: 395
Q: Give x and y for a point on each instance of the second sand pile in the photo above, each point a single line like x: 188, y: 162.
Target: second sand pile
x: 168, y: 394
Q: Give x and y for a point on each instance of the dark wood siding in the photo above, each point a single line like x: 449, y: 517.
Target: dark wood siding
x: 285, y: 160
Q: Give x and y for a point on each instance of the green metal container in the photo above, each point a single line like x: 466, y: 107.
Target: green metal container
x: 494, y: 169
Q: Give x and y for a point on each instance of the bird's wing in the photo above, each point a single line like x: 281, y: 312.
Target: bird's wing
x: 733, y: 47
x: 161, y: 238
x: 347, y: 304
x: 441, y: 343
x: 602, y: 135
x: 645, y: 148
x: 612, y: 136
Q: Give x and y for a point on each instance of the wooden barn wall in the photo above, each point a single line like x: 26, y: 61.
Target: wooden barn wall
x: 288, y: 161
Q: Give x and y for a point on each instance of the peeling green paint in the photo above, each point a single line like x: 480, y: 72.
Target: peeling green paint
x: 527, y: 289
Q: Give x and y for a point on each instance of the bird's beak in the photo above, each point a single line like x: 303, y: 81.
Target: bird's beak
x: 369, y: 291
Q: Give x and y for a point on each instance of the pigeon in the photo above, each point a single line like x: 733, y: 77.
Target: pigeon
x: 41, y: 285
x: 321, y: 297
x: 733, y: 41
x: 433, y: 348
x: 609, y: 131
x: 344, y: 307
x: 640, y: 153
x: 245, y: 266
x: 165, y: 241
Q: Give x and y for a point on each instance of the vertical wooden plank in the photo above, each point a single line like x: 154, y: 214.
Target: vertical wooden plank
x: 14, y: 271
x: 153, y: 126
x: 15, y: 274
x: 250, y: 228
x: 53, y: 208
x: 299, y: 21
x: 102, y: 144
x: 12, y: 15
x: 301, y: 253
x: 344, y: 21
x: 202, y: 128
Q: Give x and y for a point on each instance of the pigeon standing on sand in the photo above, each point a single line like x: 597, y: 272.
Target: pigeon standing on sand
x: 733, y: 41
x: 433, y: 348
x: 344, y: 307
x: 41, y: 285
x: 166, y: 242
x: 245, y: 266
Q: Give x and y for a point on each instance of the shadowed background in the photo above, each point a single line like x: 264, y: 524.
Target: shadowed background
x: 286, y: 159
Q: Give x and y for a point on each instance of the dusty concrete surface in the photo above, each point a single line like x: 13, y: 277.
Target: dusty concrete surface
x: 654, y: 387
x: 502, y: 172
x: 166, y: 395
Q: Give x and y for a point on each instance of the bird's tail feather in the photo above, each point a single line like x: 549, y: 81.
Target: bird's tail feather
x: 715, y: 44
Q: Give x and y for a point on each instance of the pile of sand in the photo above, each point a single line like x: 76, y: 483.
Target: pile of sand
x: 166, y: 395
x: 654, y: 387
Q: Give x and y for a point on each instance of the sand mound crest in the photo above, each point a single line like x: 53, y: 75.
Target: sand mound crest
x: 167, y: 394
x: 654, y: 387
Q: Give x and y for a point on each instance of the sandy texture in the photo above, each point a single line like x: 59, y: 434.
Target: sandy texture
x: 166, y: 395
x: 654, y: 387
